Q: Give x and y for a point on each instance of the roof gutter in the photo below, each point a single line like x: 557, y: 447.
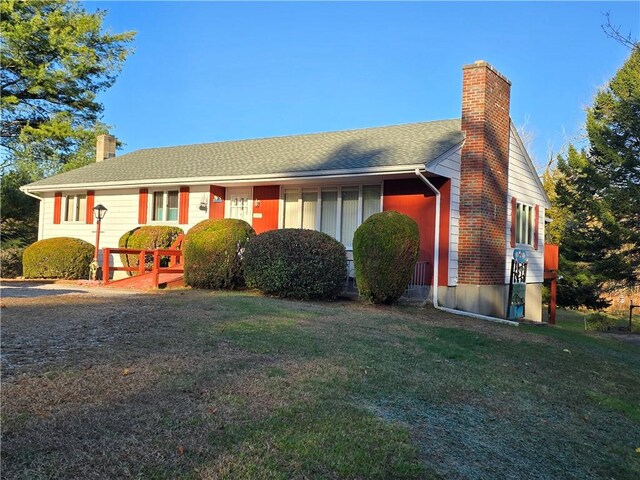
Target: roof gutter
x: 254, y: 178
x: 27, y: 192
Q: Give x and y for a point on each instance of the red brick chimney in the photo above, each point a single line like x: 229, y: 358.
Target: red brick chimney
x: 484, y: 170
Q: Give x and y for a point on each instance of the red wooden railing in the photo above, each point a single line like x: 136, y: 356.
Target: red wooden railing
x: 174, y: 254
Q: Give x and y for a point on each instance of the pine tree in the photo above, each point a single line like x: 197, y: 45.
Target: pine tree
x: 598, y: 192
x: 54, y: 60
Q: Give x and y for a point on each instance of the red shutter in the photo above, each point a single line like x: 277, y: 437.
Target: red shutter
x: 536, y: 221
x: 216, y: 209
x: 183, y: 211
x: 57, y: 207
x: 514, y: 212
x: 142, y: 206
x: 90, y: 204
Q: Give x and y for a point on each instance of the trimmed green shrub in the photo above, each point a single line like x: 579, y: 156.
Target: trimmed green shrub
x: 11, y: 262
x: 148, y: 237
x: 599, y: 322
x: 61, y: 257
x: 385, y: 251
x: 213, y: 253
x: 296, y: 263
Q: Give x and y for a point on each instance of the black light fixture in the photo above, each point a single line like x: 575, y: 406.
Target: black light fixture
x: 99, y: 211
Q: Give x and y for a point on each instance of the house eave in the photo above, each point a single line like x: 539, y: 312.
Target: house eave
x: 235, y: 179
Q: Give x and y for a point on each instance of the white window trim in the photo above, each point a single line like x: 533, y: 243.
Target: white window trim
x: 165, y: 201
x: 318, y: 189
x: 526, y: 229
x: 75, y: 211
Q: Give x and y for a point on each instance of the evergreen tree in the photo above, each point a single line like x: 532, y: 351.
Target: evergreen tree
x: 598, y: 194
x: 54, y: 60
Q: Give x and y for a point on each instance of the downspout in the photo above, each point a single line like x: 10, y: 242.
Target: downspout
x: 436, y: 263
x: 436, y: 240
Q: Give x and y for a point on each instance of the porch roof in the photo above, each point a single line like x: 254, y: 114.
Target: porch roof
x: 343, y: 151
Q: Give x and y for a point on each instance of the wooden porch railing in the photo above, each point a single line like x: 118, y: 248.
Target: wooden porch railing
x: 175, y: 262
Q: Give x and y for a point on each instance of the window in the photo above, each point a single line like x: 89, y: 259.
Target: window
x: 524, y: 224
x: 336, y: 211
x: 165, y: 206
x: 75, y: 209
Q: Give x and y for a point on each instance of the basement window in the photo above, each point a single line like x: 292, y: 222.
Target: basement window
x: 75, y: 208
x: 524, y: 224
x: 165, y: 206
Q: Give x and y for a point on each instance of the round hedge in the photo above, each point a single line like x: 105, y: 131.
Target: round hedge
x: 385, y: 251
x: 148, y: 237
x: 296, y: 263
x: 61, y: 257
x: 11, y: 262
x: 213, y: 253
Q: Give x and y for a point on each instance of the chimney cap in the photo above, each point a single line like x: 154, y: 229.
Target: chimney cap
x: 485, y: 64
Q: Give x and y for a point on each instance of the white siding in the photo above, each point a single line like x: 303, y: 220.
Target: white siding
x: 523, y: 183
x: 122, y: 215
x: 449, y: 167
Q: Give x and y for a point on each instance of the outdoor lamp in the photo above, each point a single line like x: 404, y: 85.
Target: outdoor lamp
x: 99, y: 211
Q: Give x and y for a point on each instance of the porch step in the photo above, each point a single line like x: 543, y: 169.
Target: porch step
x: 145, y: 281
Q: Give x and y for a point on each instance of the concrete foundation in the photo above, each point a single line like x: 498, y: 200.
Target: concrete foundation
x: 488, y: 300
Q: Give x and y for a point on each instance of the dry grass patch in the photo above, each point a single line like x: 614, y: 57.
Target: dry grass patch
x: 192, y: 384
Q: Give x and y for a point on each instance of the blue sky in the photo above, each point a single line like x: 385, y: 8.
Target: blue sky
x: 207, y: 71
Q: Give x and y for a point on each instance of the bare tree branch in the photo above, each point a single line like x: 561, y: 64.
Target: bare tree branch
x: 613, y: 31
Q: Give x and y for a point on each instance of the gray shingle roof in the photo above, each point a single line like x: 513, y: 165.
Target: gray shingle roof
x: 393, y: 146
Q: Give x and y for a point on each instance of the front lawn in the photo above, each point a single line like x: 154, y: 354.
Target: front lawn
x: 192, y: 384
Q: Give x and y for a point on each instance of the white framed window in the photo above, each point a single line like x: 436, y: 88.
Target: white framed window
x: 75, y: 208
x: 164, y: 206
x: 335, y: 210
x: 524, y: 224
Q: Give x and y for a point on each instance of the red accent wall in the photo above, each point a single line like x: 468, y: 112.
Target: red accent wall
x: 90, y: 204
x: 183, y: 210
x: 445, y: 216
x: 216, y: 210
x: 269, y: 197
x: 413, y: 198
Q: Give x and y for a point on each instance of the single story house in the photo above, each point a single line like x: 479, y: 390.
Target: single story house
x: 468, y: 183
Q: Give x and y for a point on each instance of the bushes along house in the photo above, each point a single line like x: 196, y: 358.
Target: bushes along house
x: 385, y: 251
x: 296, y: 263
x: 60, y: 257
x: 213, y: 253
x: 148, y: 238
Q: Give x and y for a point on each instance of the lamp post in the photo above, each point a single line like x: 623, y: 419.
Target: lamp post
x: 99, y: 211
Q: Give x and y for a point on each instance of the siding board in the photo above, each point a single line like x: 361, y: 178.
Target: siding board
x: 524, y: 186
x: 450, y: 167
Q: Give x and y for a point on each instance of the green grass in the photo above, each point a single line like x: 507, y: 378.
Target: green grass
x: 574, y: 320
x: 252, y: 387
